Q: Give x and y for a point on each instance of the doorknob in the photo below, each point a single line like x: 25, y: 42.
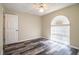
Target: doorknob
x: 17, y: 30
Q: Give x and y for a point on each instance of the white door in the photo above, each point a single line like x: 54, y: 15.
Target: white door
x: 11, y: 28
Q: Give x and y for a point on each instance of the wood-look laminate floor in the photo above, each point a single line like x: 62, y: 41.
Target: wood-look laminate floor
x: 39, y: 47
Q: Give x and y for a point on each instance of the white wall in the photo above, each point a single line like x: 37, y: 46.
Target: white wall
x: 29, y: 25
x: 72, y: 13
x: 1, y: 30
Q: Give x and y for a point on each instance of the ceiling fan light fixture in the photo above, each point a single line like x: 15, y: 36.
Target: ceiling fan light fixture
x: 41, y: 10
x: 41, y: 7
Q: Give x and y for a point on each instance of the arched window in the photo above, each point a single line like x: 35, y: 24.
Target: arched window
x: 60, y: 30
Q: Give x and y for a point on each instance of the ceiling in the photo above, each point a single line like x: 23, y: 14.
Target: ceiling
x: 27, y: 7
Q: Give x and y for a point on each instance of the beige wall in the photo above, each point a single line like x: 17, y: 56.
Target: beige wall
x: 72, y: 13
x: 1, y: 30
x: 29, y: 26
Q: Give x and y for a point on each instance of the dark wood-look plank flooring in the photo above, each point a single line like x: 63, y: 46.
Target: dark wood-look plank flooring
x: 39, y: 46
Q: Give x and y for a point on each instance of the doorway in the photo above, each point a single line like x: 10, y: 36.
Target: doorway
x: 11, y: 29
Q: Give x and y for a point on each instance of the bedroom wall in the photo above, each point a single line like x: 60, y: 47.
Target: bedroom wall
x: 72, y: 12
x: 29, y: 25
x: 1, y: 29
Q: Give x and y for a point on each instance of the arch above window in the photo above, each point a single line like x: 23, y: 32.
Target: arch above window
x: 60, y: 20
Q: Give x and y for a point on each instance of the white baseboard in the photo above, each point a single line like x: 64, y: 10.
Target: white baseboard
x: 25, y: 40
x: 29, y: 39
x: 45, y: 37
x: 74, y: 47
